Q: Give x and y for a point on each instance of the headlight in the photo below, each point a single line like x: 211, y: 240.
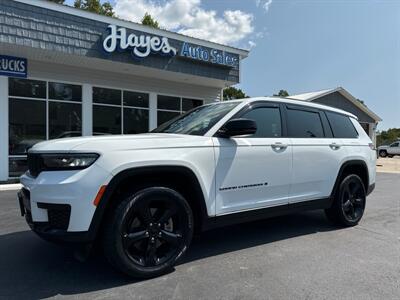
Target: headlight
x: 72, y: 161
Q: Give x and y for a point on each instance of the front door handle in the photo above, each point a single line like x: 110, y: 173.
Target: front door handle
x: 279, y: 146
x: 334, y: 146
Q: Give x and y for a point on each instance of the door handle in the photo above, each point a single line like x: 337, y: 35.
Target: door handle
x: 279, y: 146
x: 334, y: 146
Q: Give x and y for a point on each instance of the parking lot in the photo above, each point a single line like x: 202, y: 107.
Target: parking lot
x: 293, y: 257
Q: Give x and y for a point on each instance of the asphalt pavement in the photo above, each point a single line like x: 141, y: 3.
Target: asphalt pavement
x: 301, y: 256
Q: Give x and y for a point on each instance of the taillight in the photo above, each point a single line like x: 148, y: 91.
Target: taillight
x: 372, y: 146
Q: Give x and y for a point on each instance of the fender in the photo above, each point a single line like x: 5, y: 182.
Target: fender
x: 350, y: 163
x: 142, y: 171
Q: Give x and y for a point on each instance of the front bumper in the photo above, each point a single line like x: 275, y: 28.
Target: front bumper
x: 58, y: 205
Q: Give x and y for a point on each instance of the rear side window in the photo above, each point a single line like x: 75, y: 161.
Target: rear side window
x: 268, y: 121
x: 304, y: 124
x: 342, y: 126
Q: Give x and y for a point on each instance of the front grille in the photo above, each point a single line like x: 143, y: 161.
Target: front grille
x: 58, y: 215
x: 35, y: 164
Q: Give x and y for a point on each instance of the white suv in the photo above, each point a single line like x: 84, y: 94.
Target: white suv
x: 145, y: 195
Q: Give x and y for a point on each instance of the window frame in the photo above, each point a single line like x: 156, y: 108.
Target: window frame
x: 331, y: 127
x: 260, y: 104
x: 121, y: 106
x: 47, y: 101
x: 327, y: 131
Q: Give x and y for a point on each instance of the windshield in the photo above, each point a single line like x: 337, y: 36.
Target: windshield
x: 197, y: 121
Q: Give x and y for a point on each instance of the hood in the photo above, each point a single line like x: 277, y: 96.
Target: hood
x: 383, y: 147
x: 100, y: 144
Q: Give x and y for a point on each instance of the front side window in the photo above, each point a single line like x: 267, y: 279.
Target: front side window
x: 341, y: 125
x: 197, y: 121
x: 268, y: 121
x: 304, y: 124
x: 395, y: 145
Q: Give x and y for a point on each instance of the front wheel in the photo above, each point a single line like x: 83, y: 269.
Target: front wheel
x: 148, y: 232
x: 349, y: 202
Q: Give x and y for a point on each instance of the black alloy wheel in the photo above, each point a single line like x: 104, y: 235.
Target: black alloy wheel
x: 353, y: 199
x: 349, y: 202
x: 382, y: 153
x: 151, y: 231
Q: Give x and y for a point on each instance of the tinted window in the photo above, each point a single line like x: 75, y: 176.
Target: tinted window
x: 304, y: 124
x: 27, y: 124
x: 268, y: 121
x: 394, y: 145
x: 165, y: 116
x: 167, y: 102
x: 27, y: 88
x: 136, y: 120
x: 341, y: 125
x: 65, y: 119
x: 106, y: 119
x: 188, y: 104
x: 107, y: 96
x: 62, y: 91
x: 136, y: 99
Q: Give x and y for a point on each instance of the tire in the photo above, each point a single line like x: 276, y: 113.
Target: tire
x: 382, y: 153
x: 349, y: 202
x: 148, y: 232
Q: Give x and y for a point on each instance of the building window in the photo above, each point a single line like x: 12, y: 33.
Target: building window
x: 40, y: 110
x: 117, y: 111
x: 169, y: 107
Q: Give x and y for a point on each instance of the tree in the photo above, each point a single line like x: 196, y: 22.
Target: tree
x: 386, y: 137
x: 57, y: 1
x: 149, y: 21
x: 95, y: 6
x: 233, y: 93
x: 282, y: 94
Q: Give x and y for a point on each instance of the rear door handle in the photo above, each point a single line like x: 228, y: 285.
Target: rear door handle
x: 334, y: 146
x: 279, y: 146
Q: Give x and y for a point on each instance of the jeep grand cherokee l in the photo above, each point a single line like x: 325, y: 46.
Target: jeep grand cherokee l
x: 143, y: 196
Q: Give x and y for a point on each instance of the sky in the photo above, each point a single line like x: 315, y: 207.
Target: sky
x: 297, y: 45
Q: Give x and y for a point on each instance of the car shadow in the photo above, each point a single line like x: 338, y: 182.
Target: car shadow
x: 34, y: 269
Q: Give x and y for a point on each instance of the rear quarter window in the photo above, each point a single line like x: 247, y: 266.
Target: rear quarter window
x: 341, y: 125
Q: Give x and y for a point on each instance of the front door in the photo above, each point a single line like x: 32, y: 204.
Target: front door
x: 254, y: 171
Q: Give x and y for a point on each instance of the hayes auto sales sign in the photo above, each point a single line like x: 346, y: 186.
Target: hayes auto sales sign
x: 142, y: 45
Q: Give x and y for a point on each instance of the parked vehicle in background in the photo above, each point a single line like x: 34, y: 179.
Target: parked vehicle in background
x: 145, y: 195
x: 389, y: 150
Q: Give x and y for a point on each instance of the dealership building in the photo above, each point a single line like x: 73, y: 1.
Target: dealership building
x: 67, y: 72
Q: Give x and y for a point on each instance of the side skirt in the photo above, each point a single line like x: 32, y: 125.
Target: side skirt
x: 265, y: 213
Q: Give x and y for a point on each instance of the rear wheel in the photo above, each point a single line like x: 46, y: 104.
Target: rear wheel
x: 349, y: 203
x: 382, y: 153
x: 148, y: 232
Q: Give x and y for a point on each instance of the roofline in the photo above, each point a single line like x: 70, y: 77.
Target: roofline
x: 350, y: 97
x: 295, y: 102
x: 132, y: 25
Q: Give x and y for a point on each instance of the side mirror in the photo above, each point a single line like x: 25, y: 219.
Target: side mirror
x: 237, y: 127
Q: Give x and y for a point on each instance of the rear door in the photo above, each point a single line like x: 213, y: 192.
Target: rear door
x: 317, y: 154
x: 254, y: 171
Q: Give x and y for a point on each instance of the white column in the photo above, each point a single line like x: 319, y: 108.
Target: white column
x: 87, y: 110
x: 152, y: 111
x: 3, y: 128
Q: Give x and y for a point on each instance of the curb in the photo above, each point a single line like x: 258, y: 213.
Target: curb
x: 10, y: 187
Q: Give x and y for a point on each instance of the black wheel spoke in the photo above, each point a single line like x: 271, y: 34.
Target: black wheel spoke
x: 131, y: 238
x: 347, y: 205
x: 167, y: 214
x: 150, y: 255
x: 144, y: 215
x: 170, y: 237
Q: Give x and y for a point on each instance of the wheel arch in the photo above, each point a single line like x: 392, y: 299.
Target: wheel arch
x: 181, y: 178
x: 357, y: 167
